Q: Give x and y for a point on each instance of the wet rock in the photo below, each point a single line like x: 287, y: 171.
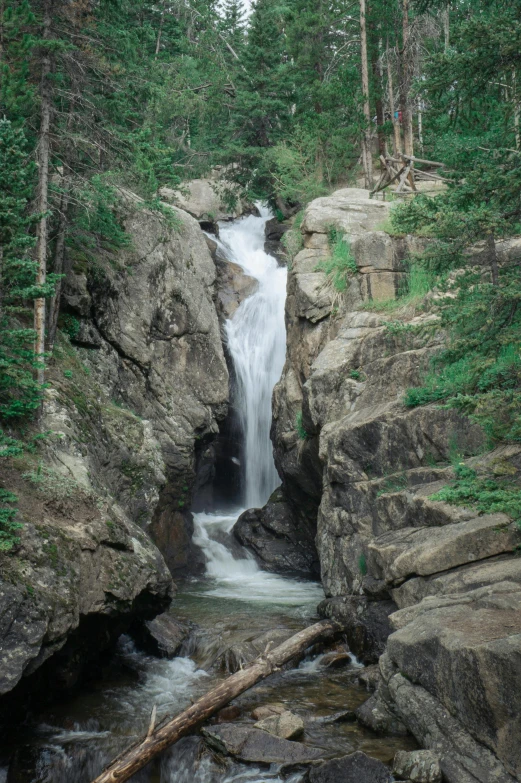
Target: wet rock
x: 162, y: 636
x: 279, y: 544
x: 239, y: 654
x: 268, y: 710
x: 344, y: 716
x: 228, y: 713
x: 253, y: 745
x: 274, y: 231
x: 369, y: 677
x: 374, y: 714
x: 285, y: 725
x: 355, y: 768
x: 233, y: 286
x: 365, y: 623
x: 418, y: 766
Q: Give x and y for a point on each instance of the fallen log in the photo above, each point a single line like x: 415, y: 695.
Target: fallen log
x: 138, y: 755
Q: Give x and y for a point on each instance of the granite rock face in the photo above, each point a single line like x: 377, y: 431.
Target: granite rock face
x: 157, y: 384
x: 208, y: 200
x: 365, y: 469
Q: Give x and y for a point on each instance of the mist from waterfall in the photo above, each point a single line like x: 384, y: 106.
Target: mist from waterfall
x: 256, y: 338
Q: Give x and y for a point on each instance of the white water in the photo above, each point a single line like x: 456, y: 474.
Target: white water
x: 241, y: 578
x: 256, y: 337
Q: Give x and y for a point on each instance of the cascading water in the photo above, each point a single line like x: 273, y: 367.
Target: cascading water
x: 256, y: 339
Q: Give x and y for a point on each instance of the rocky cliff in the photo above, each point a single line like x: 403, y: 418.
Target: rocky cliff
x: 363, y: 469
x: 135, y: 395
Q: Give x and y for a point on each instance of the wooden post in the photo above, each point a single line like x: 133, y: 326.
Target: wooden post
x: 137, y: 756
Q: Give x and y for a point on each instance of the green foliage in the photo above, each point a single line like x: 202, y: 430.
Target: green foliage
x: 362, y: 564
x: 299, y: 426
x: 488, y: 494
x: 8, y: 526
x: 51, y: 484
x: 394, y: 483
x: 70, y: 325
x: 341, y: 265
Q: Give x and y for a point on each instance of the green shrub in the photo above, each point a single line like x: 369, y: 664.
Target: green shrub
x: 362, y: 564
x: 301, y: 432
x: 341, y: 264
x: 8, y: 526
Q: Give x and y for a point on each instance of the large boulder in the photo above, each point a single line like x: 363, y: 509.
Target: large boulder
x: 208, y: 199
x: 277, y: 541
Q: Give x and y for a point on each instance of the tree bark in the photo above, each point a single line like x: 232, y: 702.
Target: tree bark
x: 366, y: 143
x: 492, y: 258
x: 59, y: 263
x: 397, y: 141
x: 406, y: 82
x: 137, y: 756
x: 380, y: 119
x: 43, y: 193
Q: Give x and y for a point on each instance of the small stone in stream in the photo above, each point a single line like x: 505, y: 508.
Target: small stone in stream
x: 370, y: 677
x: 286, y: 725
x: 248, y: 744
x: 228, y: 713
x: 267, y: 710
x: 418, y: 766
x: 355, y: 768
x: 335, y: 660
x: 375, y: 715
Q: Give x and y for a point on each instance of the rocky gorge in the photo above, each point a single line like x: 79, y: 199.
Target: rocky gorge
x: 427, y: 594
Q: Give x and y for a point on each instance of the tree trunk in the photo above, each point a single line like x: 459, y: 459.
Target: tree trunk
x: 137, y: 756
x: 446, y: 27
x: 59, y: 263
x: 379, y: 107
x: 492, y: 258
x: 366, y: 144
x: 43, y: 193
x: 397, y: 142
x: 406, y: 107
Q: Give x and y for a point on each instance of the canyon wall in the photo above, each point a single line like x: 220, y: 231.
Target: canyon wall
x: 361, y: 469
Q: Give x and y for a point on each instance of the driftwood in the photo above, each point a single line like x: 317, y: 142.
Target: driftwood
x: 138, y: 755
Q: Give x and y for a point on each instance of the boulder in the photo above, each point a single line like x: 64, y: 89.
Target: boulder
x: 355, y: 768
x: 350, y: 210
x: 249, y: 744
x: 279, y: 544
x: 268, y: 710
x: 207, y: 200
x: 374, y: 714
x: 366, y: 623
x: 163, y: 636
x: 285, y: 725
x: 418, y: 766
x: 233, y: 286
x: 274, y: 231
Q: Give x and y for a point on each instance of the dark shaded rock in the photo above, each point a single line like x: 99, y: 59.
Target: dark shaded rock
x: 374, y: 714
x: 276, y: 539
x: 419, y: 766
x: 162, y: 636
x: 228, y: 713
x: 355, y: 768
x: 344, y: 716
x: 370, y: 677
x: 274, y: 231
x: 253, y: 745
x: 366, y: 623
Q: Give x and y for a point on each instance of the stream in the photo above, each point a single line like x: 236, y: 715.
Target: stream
x: 231, y: 604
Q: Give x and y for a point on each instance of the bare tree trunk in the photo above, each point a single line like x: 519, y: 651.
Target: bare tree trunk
x: 366, y: 144
x: 492, y: 258
x: 43, y: 193
x: 137, y: 756
x: 446, y: 27
x: 59, y: 263
x: 397, y: 141
x: 515, y: 99
x: 406, y: 83
x: 380, y: 119
x: 160, y: 31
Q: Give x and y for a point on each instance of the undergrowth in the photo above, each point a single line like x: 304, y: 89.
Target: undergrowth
x: 416, y: 286
x: 488, y: 494
x: 9, y: 527
x: 341, y: 264
x: 301, y: 431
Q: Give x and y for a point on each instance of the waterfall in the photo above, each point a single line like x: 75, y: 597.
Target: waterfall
x: 256, y: 338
